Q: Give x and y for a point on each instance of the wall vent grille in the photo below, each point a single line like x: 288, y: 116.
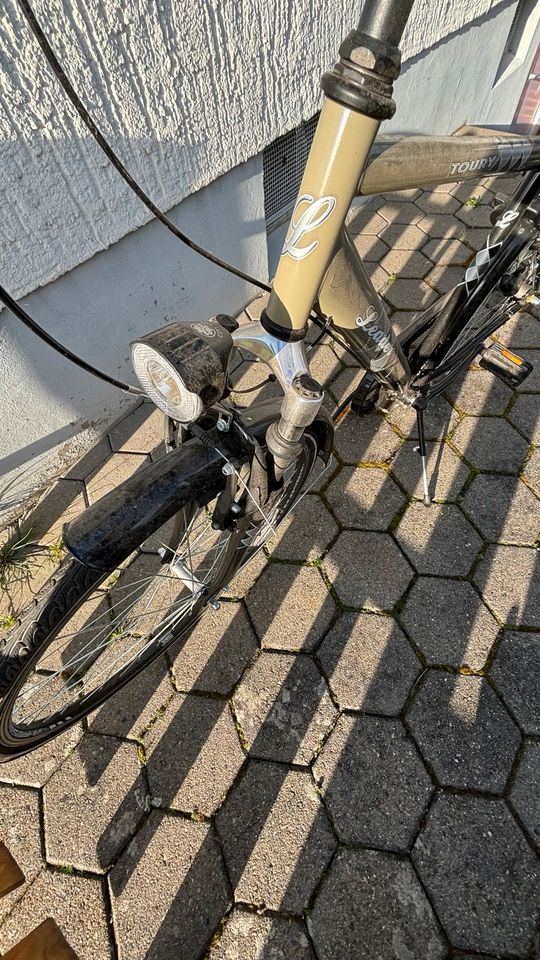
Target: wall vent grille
x: 283, y: 165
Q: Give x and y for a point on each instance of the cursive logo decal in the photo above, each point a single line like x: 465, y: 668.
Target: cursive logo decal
x: 378, y: 336
x: 308, y: 214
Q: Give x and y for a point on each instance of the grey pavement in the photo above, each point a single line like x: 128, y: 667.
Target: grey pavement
x: 343, y: 761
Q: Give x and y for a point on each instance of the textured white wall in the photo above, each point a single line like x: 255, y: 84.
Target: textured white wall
x: 184, y: 90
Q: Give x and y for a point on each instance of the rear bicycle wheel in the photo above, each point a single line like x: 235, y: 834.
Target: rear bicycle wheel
x: 89, y: 633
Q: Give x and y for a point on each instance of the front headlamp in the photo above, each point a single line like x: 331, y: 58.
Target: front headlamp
x: 183, y: 367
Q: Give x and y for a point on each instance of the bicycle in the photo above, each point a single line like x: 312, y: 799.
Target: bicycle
x: 148, y: 559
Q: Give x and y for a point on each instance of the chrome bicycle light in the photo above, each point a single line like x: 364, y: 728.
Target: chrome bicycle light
x: 183, y: 366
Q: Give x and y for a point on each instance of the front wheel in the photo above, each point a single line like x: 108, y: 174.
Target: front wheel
x: 89, y: 633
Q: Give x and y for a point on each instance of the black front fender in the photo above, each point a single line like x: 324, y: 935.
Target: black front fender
x: 105, y: 534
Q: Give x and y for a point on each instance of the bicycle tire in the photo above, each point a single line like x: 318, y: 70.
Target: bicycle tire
x: 64, y: 595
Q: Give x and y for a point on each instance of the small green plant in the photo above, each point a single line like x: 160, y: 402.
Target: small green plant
x: 18, y: 558
x: 472, y: 202
x: 7, y: 622
x: 56, y: 551
x: 393, y: 276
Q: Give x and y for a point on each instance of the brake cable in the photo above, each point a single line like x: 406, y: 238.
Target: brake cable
x: 98, y: 136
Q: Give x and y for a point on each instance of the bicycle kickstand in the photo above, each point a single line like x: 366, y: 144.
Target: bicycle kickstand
x: 421, y: 450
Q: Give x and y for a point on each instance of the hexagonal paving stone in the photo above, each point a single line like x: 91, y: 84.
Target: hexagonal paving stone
x: 306, y: 533
x: 525, y: 415
x: 284, y: 708
x: 20, y: 831
x: 439, y: 420
x: 35, y: 769
x: 323, y: 364
x: 348, y: 380
x: 101, y: 788
x: 449, y: 622
x: 215, y: 654
x: 77, y: 905
x: 446, y: 472
x: 476, y: 237
x: 438, y: 225
x: 178, y: 865
x: 490, y: 443
x: 478, y: 393
x: 409, y: 294
x: 531, y: 384
x: 531, y: 470
x: 354, y: 916
x: 396, y: 211
x: 480, y: 873
x: 367, y: 570
x: 366, y: 221
x: 373, y: 781
x: 140, y: 432
x: 516, y: 672
x: 269, y: 802
x: 291, y: 607
x: 452, y: 253
x: 445, y: 278
x: 370, y: 248
x: 504, y: 509
x: 365, y: 439
x: 248, y: 936
x: 406, y: 264
x: 438, y: 540
x: 368, y: 663
x: 479, y: 216
x: 133, y: 709
x: 192, y: 755
x: 401, y: 237
x: 364, y: 497
x: 509, y: 578
x: 90, y: 460
x: 438, y: 203
x: 242, y: 582
x: 524, y: 795
x: 522, y: 330
x: 464, y: 732
x: 119, y: 467
x: 62, y: 503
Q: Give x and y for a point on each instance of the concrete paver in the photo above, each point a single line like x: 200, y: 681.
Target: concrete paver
x: 192, y: 755
x: 168, y: 890
x: 291, y: 607
x: 366, y: 498
x: 516, y: 673
x: 524, y: 795
x: 384, y: 577
x: 464, y: 732
x: 368, y: 663
x: 284, y: 708
x: 438, y: 540
x: 449, y: 622
x: 481, y: 874
x: 101, y: 788
x: 354, y: 907
x: 373, y: 782
x: 249, y: 936
x: 275, y: 836
x: 509, y: 579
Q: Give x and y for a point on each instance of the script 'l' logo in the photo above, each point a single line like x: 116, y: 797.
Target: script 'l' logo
x: 308, y: 214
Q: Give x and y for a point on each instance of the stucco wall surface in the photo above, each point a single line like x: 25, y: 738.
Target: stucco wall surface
x: 185, y: 91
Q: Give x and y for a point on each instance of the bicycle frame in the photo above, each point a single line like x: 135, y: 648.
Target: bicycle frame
x: 319, y: 262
